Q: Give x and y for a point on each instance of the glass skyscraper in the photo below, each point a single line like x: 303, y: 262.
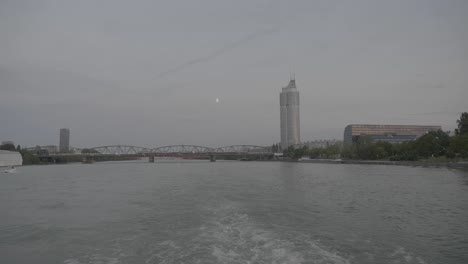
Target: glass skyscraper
x: 290, y: 123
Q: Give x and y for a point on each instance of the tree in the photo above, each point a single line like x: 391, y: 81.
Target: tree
x: 297, y: 153
x: 434, y: 143
x: 364, y: 147
x: 458, y: 146
x: 404, y: 151
x: 8, y: 146
x: 314, y: 153
x: 29, y: 158
x: 462, y: 124
x: 330, y: 151
x: 275, y: 148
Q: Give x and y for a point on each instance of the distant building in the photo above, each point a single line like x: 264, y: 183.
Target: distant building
x: 10, y: 158
x: 64, y: 144
x: 289, y: 114
x: 389, y: 133
x: 7, y: 145
x: 320, y: 143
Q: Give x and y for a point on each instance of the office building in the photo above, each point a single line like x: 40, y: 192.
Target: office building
x: 64, y: 144
x: 289, y: 114
x: 389, y: 133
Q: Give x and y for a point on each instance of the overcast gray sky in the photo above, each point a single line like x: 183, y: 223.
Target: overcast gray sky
x: 148, y: 73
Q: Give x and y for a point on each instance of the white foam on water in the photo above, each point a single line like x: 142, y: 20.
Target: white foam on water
x: 71, y: 261
x: 228, y: 235
x: 236, y: 238
x: 401, y: 255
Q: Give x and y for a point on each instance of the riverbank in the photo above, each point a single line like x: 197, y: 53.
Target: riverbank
x: 422, y: 163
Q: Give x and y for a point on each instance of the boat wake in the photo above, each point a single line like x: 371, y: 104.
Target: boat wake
x: 227, y: 235
x: 12, y: 170
x: 236, y: 238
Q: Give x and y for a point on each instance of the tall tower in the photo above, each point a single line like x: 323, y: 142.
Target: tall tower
x: 290, y: 123
x: 64, y: 140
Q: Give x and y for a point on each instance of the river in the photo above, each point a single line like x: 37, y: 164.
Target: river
x: 233, y: 212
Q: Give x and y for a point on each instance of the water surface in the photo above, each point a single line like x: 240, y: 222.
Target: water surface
x: 233, y: 212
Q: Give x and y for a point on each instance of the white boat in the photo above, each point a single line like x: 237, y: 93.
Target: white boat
x: 11, y: 170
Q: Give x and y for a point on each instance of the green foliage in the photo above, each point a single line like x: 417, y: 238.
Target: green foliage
x: 29, y: 158
x: 357, y: 150
x: 276, y: 148
x: 458, y: 146
x: 433, y: 144
x: 462, y: 124
x: 408, y: 156
x: 331, y: 151
x: 297, y: 153
x: 8, y: 146
x: 315, y: 153
x: 404, y: 151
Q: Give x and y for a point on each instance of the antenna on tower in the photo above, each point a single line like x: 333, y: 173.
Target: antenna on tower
x: 292, y: 74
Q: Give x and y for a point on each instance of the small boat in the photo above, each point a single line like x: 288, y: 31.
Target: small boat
x: 10, y: 170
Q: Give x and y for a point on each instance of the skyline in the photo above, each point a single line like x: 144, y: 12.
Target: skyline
x: 145, y: 73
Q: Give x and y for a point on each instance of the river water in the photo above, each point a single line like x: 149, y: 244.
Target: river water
x: 233, y: 212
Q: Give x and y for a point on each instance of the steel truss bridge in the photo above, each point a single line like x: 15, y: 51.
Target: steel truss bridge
x: 182, y: 151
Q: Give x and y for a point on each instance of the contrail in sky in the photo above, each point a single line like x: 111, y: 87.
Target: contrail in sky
x: 219, y: 52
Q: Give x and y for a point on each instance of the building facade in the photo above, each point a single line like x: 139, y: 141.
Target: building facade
x: 320, y: 143
x: 64, y: 144
x: 289, y: 115
x: 10, y: 158
x: 389, y: 133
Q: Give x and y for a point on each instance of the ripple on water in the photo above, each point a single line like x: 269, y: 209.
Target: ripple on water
x: 228, y: 235
x: 401, y: 255
x: 235, y: 238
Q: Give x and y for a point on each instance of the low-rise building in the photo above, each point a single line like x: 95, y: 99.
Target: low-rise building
x: 10, y: 158
x: 389, y: 133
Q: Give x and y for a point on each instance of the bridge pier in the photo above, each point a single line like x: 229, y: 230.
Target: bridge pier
x: 151, y: 158
x: 212, y: 158
x: 87, y: 159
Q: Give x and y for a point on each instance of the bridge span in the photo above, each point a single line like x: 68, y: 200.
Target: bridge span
x: 247, y: 152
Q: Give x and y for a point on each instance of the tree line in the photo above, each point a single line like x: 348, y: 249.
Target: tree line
x: 431, y: 145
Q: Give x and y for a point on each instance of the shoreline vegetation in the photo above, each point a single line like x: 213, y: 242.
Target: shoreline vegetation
x: 435, y: 148
x: 457, y: 164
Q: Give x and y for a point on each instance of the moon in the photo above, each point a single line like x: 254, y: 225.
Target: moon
x: 217, y: 100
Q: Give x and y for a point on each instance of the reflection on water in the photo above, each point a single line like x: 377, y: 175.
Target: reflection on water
x: 233, y: 212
